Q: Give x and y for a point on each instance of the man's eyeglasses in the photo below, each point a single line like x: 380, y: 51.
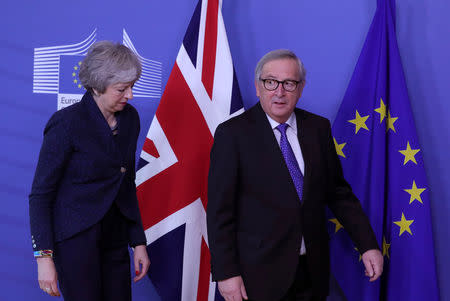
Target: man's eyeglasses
x: 272, y: 84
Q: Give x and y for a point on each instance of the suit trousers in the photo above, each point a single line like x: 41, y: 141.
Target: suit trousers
x: 301, y: 289
x: 94, y: 265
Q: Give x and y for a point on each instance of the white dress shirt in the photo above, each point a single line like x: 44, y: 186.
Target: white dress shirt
x: 291, y: 133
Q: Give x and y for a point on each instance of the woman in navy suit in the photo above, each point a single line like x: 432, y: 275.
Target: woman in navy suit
x: 83, y: 206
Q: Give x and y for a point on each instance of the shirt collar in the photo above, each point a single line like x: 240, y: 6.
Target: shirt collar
x: 292, y: 122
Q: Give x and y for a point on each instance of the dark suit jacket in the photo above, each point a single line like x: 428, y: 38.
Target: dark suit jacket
x: 82, y: 170
x: 255, y: 220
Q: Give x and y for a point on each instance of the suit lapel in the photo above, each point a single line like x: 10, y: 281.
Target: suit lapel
x: 274, y: 160
x: 264, y: 132
x: 303, y: 136
x: 99, y: 127
x: 123, y: 135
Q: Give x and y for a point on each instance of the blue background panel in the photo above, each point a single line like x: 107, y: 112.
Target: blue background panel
x: 327, y: 35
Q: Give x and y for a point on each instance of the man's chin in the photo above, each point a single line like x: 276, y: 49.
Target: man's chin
x: 280, y: 117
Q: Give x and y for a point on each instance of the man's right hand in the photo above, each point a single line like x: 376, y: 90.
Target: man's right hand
x: 233, y: 289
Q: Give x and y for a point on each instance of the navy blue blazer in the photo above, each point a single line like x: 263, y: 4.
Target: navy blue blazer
x: 82, y: 170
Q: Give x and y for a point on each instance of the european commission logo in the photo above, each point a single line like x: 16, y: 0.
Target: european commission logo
x: 56, y: 71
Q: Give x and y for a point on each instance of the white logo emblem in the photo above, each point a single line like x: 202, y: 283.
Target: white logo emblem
x: 55, y: 71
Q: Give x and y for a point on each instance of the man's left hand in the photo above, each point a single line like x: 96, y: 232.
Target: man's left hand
x: 373, y: 261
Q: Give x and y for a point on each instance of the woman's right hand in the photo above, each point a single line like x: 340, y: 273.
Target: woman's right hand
x: 47, y: 276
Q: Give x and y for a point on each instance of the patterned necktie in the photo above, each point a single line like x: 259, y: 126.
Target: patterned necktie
x: 291, y: 162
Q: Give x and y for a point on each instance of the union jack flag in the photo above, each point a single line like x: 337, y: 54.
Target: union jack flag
x: 201, y: 92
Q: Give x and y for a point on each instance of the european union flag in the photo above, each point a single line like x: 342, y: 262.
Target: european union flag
x: 375, y: 137
x: 69, y: 81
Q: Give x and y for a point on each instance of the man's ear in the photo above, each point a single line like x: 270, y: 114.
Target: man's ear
x: 257, y: 88
x: 301, y: 86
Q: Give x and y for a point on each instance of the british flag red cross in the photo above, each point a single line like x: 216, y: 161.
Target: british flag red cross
x: 171, y: 179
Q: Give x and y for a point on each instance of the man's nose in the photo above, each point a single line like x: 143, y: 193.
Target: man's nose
x: 279, y: 91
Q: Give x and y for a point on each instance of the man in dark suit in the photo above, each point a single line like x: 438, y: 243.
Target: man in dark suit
x: 273, y: 170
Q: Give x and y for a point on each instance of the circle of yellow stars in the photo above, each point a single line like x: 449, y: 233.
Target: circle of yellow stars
x: 74, y: 75
x: 409, y: 154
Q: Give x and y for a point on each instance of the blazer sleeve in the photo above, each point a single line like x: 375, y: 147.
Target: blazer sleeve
x: 221, y: 209
x: 55, y: 151
x: 136, y: 230
x: 345, y: 205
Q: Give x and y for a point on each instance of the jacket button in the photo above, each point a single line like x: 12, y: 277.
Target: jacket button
x: 123, y: 169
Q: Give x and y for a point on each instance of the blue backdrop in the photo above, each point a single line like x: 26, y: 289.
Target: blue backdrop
x: 327, y: 35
